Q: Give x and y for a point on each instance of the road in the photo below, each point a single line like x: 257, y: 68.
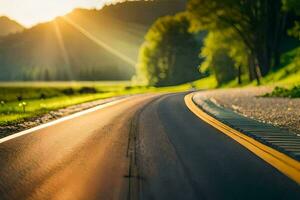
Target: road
x: 146, y: 147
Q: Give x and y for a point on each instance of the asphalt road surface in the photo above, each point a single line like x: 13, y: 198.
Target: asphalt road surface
x: 146, y: 147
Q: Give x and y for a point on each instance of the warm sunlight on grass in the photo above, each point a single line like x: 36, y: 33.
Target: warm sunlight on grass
x: 42, y: 97
x: 12, y: 112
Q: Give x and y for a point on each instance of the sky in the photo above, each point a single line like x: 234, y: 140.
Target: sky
x: 31, y: 12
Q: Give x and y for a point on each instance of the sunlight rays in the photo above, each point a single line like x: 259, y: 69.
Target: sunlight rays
x: 32, y: 12
x: 63, y: 50
x: 100, y: 42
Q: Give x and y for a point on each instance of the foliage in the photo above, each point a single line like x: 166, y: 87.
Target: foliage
x: 259, y: 23
x: 293, y: 5
x: 286, y: 76
x: 293, y: 92
x: 223, y: 66
x: 229, y: 43
x: 295, y: 31
x: 169, y: 55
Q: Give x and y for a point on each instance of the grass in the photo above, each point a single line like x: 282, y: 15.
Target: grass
x: 10, y: 91
x: 43, y: 97
x: 12, y: 112
x: 287, y: 76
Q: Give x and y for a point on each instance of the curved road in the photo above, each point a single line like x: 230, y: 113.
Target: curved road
x: 146, y: 147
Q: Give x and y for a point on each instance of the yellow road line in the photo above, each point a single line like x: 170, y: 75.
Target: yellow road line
x: 285, y: 164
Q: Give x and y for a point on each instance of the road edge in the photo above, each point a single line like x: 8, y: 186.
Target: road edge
x: 62, y: 119
x: 285, y: 164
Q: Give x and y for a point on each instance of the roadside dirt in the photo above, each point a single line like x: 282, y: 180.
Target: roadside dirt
x: 281, y: 112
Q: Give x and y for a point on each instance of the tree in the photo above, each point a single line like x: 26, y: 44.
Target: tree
x: 226, y: 45
x: 294, y: 6
x: 260, y: 24
x: 169, y: 55
x: 223, y: 67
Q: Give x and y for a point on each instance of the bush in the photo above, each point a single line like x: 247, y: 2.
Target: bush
x: 20, y: 98
x: 128, y: 88
x: 284, y: 92
x: 68, y: 91
x: 87, y: 90
x: 43, y: 96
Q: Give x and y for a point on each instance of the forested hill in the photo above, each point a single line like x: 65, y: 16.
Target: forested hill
x: 144, y: 12
x: 8, y: 26
x: 83, y: 45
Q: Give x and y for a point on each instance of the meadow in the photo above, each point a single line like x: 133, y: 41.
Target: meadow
x: 22, y: 100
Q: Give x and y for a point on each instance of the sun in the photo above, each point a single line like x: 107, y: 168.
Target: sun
x: 31, y: 12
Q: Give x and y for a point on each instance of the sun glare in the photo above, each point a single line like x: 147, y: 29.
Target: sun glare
x: 31, y: 12
x: 101, y: 43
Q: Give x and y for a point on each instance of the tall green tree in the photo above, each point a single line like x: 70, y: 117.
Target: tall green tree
x: 260, y: 24
x: 228, y: 46
x: 169, y: 55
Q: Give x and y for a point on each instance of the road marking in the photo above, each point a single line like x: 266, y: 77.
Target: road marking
x: 72, y: 116
x: 285, y: 164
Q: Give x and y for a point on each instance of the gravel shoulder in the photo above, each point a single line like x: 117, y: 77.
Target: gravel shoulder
x: 281, y: 112
x: 52, y: 115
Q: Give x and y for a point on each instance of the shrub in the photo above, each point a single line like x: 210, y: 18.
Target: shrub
x: 294, y: 92
x: 68, y: 91
x: 87, y: 90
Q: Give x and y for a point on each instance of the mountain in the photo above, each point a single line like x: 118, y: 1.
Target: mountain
x: 84, y: 44
x: 8, y: 26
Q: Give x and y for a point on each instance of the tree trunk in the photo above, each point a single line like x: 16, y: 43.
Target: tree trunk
x: 254, y: 70
x: 257, y: 74
x: 263, y: 59
x: 257, y: 69
x: 251, y: 67
x: 240, y: 75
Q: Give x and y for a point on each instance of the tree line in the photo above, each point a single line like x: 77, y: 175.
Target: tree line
x: 228, y: 38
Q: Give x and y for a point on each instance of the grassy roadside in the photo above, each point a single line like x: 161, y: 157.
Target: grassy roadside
x: 42, y: 97
x: 15, y: 111
x: 20, y: 101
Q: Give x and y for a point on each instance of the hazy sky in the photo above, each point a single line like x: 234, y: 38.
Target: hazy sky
x: 30, y: 12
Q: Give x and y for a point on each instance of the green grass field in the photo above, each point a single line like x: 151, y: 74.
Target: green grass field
x: 42, y: 97
x: 23, y: 100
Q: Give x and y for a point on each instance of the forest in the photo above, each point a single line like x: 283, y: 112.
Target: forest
x: 235, y: 41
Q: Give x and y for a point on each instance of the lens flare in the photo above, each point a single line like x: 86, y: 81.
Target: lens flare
x: 63, y: 50
x: 100, y: 42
